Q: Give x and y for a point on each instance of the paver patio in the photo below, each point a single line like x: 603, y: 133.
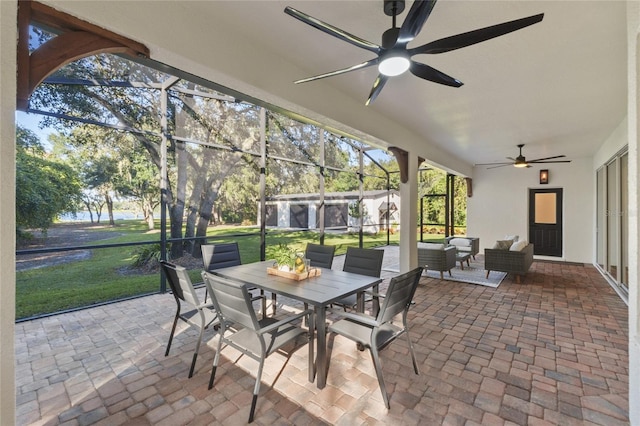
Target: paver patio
x: 552, y: 350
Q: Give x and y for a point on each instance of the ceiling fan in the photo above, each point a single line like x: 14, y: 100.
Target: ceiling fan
x: 394, y: 57
x: 521, y: 161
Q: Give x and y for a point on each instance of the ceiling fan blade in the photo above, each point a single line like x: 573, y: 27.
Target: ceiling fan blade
x: 550, y: 162
x: 510, y: 158
x: 476, y: 36
x: 417, y: 16
x: 333, y: 31
x: 491, y: 164
x: 428, y: 73
x: 501, y: 165
x: 377, y: 88
x: 341, y: 71
x: 547, y: 158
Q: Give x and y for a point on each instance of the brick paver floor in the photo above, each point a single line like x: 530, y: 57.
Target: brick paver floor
x: 549, y: 351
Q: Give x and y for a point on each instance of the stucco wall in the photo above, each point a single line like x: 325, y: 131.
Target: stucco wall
x: 633, y: 46
x: 500, y: 204
x: 8, y: 35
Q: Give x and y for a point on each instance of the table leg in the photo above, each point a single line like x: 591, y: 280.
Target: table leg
x: 321, y: 357
x: 312, y: 328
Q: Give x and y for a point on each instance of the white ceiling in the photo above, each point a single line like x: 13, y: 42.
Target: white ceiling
x: 558, y: 86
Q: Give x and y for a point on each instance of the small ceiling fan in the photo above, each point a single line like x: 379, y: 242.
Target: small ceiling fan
x: 521, y: 161
x: 394, y: 57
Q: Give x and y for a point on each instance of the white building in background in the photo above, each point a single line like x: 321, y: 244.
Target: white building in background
x: 302, y: 211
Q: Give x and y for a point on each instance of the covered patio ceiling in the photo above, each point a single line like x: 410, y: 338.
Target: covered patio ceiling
x: 558, y: 86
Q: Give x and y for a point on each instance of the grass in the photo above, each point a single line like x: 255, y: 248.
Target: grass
x: 100, y: 278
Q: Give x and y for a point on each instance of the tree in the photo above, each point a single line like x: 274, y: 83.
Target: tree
x: 45, y: 189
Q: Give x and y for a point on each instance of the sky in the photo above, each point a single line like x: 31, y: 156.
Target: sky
x: 31, y: 122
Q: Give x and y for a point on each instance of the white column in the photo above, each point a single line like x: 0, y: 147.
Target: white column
x: 633, y: 75
x: 8, y: 36
x: 409, y: 218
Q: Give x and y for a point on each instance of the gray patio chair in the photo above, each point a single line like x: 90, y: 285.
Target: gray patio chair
x: 200, y: 315
x: 256, y: 339
x: 224, y: 255
x: 320, y: 256
x: 378, y: 332
x: 364, y: 262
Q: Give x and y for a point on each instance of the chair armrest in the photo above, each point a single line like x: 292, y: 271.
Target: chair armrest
x: 271, y: 327
x: 357, y: 317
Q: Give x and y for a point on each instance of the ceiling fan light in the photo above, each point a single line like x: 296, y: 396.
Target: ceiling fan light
x: 520, y: 164
x: 394, y: 65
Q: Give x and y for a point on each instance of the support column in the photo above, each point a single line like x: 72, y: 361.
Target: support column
x: 8, y: 37
x: 408, y: 209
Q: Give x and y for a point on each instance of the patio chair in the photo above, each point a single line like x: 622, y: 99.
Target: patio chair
x: 320, y: 256
x: 224, y: 255
x: 199, y: 315
x: 378, y: 332
x: 364, y: 262
x: 256, y: 339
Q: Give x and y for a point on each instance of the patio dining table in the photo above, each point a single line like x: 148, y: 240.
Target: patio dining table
x: 319, y: 292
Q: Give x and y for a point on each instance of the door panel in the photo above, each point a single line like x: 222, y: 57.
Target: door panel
x: 545, y: 221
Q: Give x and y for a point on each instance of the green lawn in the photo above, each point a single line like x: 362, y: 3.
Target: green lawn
x: 102, y: 277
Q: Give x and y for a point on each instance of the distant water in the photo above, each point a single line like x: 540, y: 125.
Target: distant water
x: 104, y: 217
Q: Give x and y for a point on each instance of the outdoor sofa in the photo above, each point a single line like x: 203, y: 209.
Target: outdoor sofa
x: 510, y: 261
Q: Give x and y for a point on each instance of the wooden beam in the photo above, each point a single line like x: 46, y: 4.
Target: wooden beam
x: 76, y: 39
x: 402, y: 157
x: 64, y: 49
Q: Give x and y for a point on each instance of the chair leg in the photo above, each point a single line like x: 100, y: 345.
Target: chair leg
x: 413, y: 355
x: 488, y: 273
x: 378, y: 368
x: 173, y: 330
x: 450, y: 273
x: 256, y: 390
x: 195, y: 353
x: 216, y: 359
x: 441, y: 275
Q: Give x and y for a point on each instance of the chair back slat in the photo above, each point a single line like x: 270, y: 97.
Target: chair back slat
x: 223, y: 255
x: 399, y: 294
x: 320, y: 256
x: 180, y: 283
x: 363, y: 261
x: 232, y: 300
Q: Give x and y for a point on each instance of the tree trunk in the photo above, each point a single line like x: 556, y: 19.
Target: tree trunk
x: 109, y: 202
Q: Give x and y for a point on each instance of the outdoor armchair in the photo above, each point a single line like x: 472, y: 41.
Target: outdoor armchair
x: 199, y: 314
x: 364, y: 262
x: 437, y: 257
x: 224, y: 255
x: 378, y: 332
x: 255, y: 339
x: 320, y: 256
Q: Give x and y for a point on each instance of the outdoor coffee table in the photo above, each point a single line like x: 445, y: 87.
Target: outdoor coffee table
x: 462, y: 257
x: 319, y: 292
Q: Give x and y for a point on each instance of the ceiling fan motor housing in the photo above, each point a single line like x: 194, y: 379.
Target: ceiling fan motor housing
x: 393, y: 7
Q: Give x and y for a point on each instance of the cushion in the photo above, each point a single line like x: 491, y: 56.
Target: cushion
x: 518, y: 245
x: 431, y: 246
x: 503, y: 244
x: 460, y: 242
x: 511, y: 237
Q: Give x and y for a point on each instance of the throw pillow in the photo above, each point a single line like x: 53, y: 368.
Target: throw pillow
x: 432, y: 246
x: 460, y: 242
x: 518, y: 245
x: 503, y: 244
x: 513, y: 238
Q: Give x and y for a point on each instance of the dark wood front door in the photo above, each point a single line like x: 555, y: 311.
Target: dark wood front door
x: 545, y: 221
